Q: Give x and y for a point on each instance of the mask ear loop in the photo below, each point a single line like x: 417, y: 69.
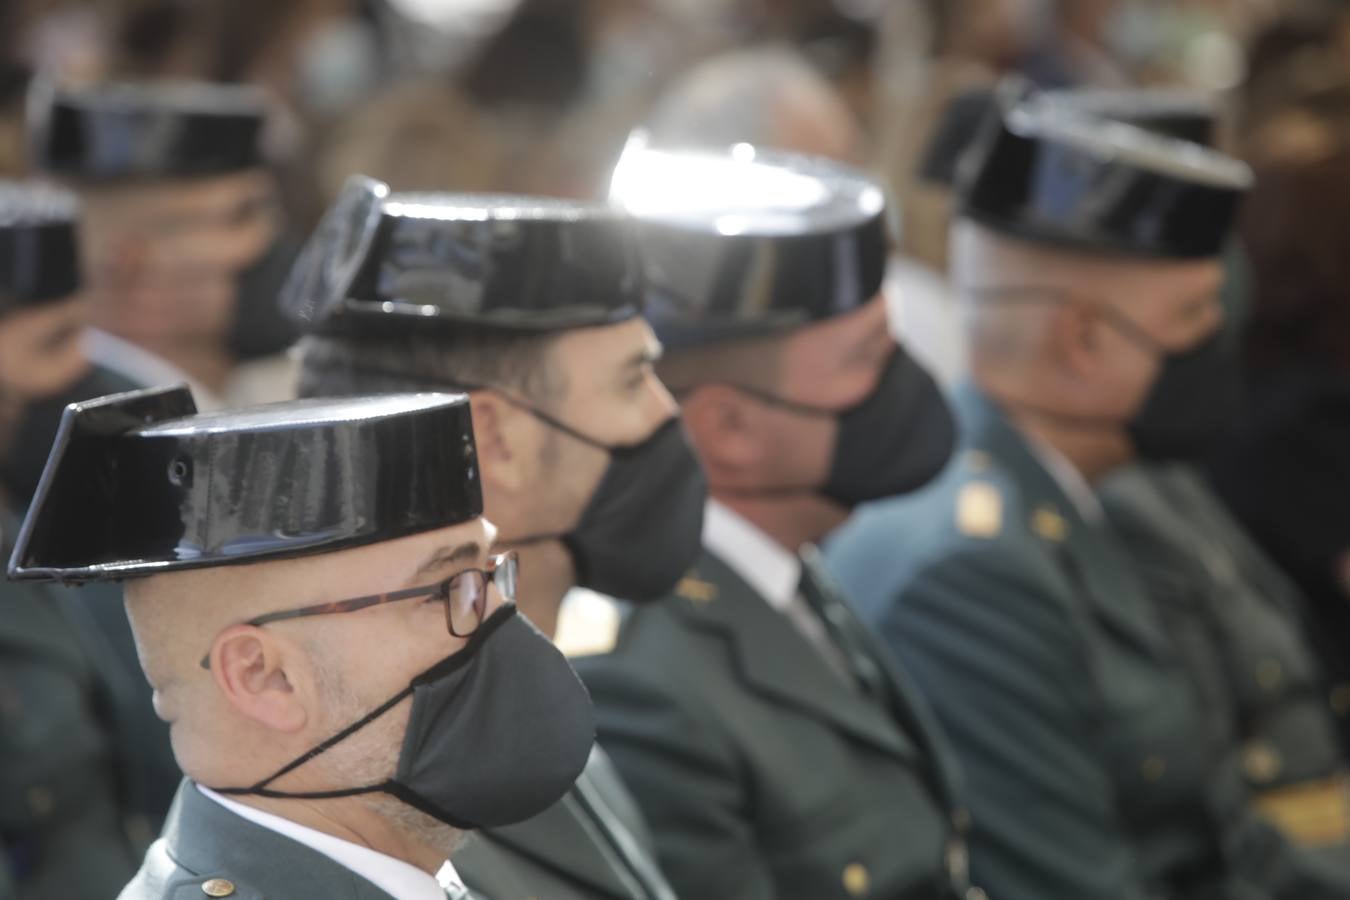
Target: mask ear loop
x: 793, y: 406
x: 261, y: 787
x: 454, y: 661
x: 1034, y: 294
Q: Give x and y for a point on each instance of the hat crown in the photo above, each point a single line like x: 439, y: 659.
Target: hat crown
x: 138, y: 483
x: 751, y: 241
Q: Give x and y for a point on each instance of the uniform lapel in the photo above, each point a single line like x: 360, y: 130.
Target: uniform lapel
x: 776, y: 660
x: 209, y: 840
x: 1084, y: 551
x: 906, y: 704
x: 566, y: 839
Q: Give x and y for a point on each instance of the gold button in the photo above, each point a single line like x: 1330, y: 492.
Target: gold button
x: 1049, y: 524
x: 1261, y: 762
x: 41, y: 801
x: 1340, y: 699
x: 217, y: 887
x: 1269, y: 674
x: 857, y: 881
x: 1153, y: 768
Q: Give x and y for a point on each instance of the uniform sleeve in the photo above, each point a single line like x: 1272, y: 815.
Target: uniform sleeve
x: 686, y: 781
x: 999, y: 660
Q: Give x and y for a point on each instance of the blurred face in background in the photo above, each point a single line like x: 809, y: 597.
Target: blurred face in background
x: 40, y: 356
x: 164, y: 259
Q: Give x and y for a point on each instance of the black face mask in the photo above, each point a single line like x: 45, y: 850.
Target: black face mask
x: 642, y: 528
x: 895, y: 441
x: 497, y: 734
x: 1196, y: 396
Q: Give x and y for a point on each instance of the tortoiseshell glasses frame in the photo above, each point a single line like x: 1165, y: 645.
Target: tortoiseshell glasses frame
x: 463, y: 593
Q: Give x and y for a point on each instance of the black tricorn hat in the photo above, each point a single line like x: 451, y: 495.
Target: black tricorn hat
x: 751, y: 241
x: 126, y: 131
x: 1043, y: 171
x: 139, y: 483
x: 39, y: 244
x: 394, y: 261
x: 1187, y: 115
x: 1184, y: 114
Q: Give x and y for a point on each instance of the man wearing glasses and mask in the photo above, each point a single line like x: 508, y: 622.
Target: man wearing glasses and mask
x: 348, y: 684
x: 773, y: 748
x: 532, y: 306
x: 1088, y: 252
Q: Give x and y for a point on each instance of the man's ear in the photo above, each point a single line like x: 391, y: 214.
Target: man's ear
x: 1075, y: 333
x: 502, y: 434
x: 723, y: 427
x: 250, y: 668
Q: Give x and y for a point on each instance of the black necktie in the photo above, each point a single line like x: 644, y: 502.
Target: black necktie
x: 844, y: 630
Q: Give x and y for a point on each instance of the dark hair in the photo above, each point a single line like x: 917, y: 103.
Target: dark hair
x: 1294, y: 225
x: 468, y: 357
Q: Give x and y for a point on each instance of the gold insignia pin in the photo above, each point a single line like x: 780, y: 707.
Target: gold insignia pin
x: 696, y: 590
x: 979, y: 510
x: 978, y: 461
x: 1261, y: 762
x: 857, y: 880
x: 217, y: 887
x: 588, y: 624
x: 1049, y: 524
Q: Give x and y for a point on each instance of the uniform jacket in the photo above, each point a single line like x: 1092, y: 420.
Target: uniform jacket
x: 64, y: 827
x: 1093, y: 768
x: 208, y: 851
x: 591, y: 844
x: 1238, y: 621
x: 763, y: 773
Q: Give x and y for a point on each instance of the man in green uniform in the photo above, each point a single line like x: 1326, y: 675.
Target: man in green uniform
x: 533, y: 306
x: 1088, y: 251
x: 348, y: 684
x: 65, y: 831
x: 1241, y: 617
x: 774, y: 750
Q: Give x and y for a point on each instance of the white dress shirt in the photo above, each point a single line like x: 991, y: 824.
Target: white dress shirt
x: 772, y: 572
x: 1069, y: 479
x: 395, y: 877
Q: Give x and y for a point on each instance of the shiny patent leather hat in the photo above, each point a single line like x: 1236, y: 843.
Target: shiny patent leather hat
x: 139, y: 483
x: 130, y: 131
x: 387, y: 261
x: 751, y: 241
x: 39, y: 244
x: 1045, y: 172
x: 1187, y: 115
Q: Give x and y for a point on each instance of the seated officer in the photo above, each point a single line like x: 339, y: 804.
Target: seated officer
x: 1237, y: 618
x: 533, y: 306
x: 774, y: 750
x: 179, y: 208
x: 65, y: 831
x: 348, y: 685
x: 1088, y: 251
x: 1239, y: 614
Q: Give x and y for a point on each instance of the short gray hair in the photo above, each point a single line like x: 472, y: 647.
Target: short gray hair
x: 735, y: 97
x: 467, y: 358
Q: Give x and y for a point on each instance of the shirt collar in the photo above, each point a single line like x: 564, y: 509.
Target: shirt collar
x: 1069, y: 479
x: 758, y: 559
x: 395, y: 877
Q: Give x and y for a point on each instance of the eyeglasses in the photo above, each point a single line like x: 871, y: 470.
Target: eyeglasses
x: 463, y: 593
